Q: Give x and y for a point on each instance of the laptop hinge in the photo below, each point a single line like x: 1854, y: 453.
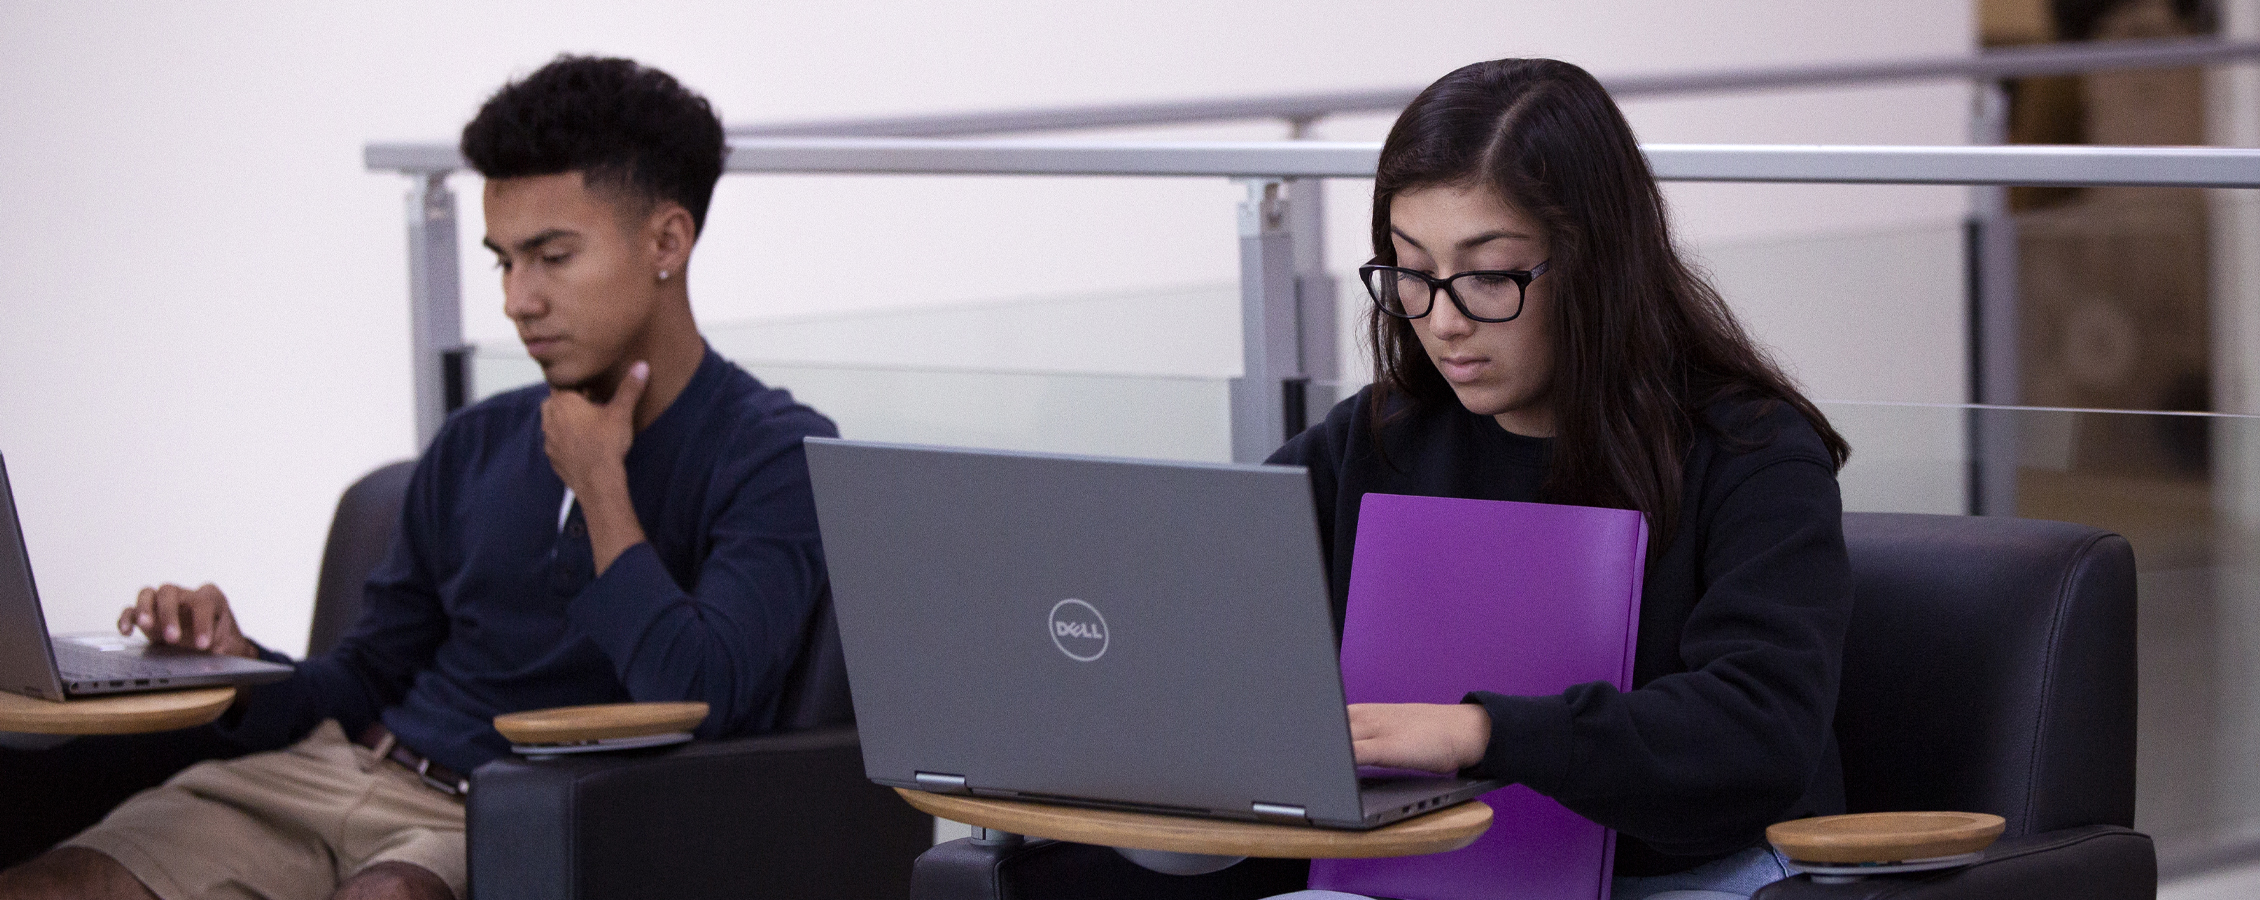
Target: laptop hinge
x: 938, y: 783
x: 1282, y: 813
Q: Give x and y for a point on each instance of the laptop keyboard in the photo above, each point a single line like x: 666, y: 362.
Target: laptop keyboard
x: 77, y: 662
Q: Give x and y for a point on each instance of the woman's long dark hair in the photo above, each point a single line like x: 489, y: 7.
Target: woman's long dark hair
x: 1642, y: 342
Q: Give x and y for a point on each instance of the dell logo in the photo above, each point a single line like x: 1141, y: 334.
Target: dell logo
x: 1078, y: 630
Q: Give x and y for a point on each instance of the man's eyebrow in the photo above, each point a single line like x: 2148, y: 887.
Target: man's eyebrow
x: 531, y: 244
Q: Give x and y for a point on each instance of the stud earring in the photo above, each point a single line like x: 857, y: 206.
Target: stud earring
x: 663, y: 274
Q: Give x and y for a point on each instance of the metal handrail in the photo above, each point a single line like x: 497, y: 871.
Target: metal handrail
x: 1281, y: 259
x: 2015, y: 62
x: 2214, y: 167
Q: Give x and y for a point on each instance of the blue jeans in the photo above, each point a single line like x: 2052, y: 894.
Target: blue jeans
x: 1739, y: 875
x: 1736, y: 876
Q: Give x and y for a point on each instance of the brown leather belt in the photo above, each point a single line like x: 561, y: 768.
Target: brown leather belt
x: 380, y: 741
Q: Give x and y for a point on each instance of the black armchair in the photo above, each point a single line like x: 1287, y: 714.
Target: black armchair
x: 1989, y: 668
x: 781, y: 815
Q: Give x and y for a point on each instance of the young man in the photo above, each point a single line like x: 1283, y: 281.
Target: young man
x: 639, y: 528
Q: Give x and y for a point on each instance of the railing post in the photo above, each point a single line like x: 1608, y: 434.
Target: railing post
x: 436, y: 354
x: 1994, y: 370
x: 1317, y: 297
x: 1268, y: 402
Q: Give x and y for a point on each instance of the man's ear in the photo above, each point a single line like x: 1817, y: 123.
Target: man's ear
x: 672, y: 233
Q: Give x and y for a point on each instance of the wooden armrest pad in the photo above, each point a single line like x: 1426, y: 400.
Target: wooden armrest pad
x: 569, y: 724
x: 1885, y: 837
x: 115, y: 714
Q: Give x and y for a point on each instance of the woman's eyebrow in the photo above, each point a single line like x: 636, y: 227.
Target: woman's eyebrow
x: 1498, y: 235
x: 1501, y: 234
x: 1406, y: 237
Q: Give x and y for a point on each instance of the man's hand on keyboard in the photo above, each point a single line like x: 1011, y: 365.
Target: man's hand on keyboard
x: 200, y: 618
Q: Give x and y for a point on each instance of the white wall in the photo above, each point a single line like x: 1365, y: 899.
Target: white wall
x: 202, y: 315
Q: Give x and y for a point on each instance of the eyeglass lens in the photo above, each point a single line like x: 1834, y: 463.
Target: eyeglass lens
x: 1406, y: 293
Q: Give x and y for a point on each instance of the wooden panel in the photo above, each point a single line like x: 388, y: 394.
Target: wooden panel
x: 1885, y: 837
x: 119, y: 714
x: 570, y: 724
x: 1436, y: 832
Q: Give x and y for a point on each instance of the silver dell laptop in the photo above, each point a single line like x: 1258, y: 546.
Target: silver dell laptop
x: 31, y: 663
x: 1098, y: 632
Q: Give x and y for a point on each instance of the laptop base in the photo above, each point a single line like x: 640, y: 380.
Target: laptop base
x: 103, y: 664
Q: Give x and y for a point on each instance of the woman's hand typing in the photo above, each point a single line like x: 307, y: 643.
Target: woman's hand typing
x: 1431, y: 737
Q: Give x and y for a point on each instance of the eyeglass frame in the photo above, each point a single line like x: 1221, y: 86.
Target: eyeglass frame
x: 1521, y: 277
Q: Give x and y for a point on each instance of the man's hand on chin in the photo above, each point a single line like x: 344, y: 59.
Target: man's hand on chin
x: 587, y: 443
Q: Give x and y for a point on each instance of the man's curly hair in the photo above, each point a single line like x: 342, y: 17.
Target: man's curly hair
x: 621, y: 124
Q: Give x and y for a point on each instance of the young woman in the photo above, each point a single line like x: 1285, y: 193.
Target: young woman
x: 1538, y: 338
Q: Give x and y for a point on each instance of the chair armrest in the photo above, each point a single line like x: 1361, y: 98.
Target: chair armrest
x: 1044, y: 870
x: 778, y: 815
x: 2094, y: 862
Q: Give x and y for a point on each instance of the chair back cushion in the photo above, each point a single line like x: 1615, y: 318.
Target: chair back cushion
x: 1990, y: 667
x: 816, y: 688
x: 359, y: 535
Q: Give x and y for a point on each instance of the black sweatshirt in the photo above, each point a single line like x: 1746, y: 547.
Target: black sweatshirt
x: 1742, y: 618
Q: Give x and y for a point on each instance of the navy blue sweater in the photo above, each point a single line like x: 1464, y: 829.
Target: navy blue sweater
x: 1742, y: 619
x: 484, y: 604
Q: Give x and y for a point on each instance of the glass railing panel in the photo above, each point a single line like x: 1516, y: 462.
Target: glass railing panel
x: 497, y: 368
x: 1143, y: 373
x: 1159, y: 417
x: 2182, y: 489
x: 1190, y: 330
x: 1905, y: 457
x: 1804, y: 297
x: 1151, y: 416
x: 1873, y: 314
x: 2179, y: 488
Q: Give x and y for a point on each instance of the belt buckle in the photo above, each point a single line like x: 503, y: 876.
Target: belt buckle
x: 455, y: 788
x: 380, y: 753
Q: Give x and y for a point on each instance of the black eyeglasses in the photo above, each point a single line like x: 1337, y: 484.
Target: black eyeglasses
x: 1483, y: 295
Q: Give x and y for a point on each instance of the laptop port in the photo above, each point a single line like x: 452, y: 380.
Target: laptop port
x: 141, y: 682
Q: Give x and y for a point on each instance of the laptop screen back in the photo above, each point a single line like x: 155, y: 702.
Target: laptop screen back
x: 27, y: 663
x: 1102, y: 630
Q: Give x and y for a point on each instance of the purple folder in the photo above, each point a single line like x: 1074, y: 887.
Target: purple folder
x: 1451, y: 595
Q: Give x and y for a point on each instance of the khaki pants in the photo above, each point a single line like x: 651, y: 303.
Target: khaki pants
x: 285, y: 825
